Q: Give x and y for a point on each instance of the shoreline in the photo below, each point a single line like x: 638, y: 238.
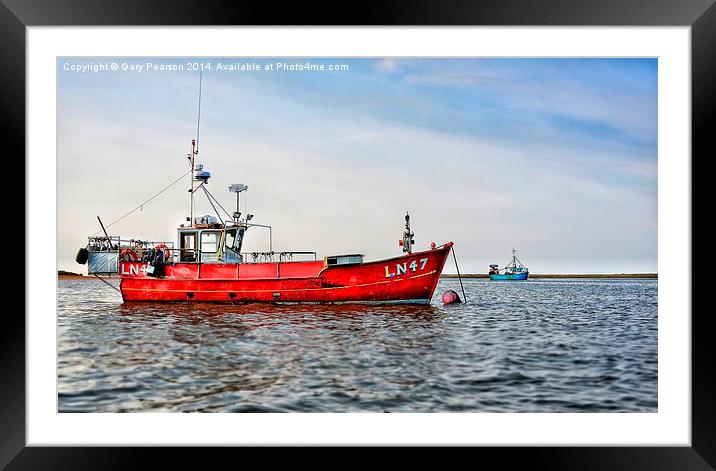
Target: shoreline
x: 581, y: 275
x: 85, y: 277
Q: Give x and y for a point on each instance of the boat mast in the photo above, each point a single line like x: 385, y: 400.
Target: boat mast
x: 191, y: 183
x: 194, y: 153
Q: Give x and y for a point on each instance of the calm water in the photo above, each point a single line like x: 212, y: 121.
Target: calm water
x: 535, y: 346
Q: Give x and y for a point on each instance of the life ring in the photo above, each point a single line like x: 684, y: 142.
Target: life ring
x: 165, y: 249
x: 128, y: 255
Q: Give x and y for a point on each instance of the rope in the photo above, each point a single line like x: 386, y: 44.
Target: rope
x: 458, y: 274
x: 108, y: 284
x: 142, y: 205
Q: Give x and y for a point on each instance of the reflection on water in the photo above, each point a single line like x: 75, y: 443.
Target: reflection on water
x: 536, y: 346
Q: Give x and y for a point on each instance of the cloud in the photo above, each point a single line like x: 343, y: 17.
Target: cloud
x: 533, y: 93
x: 333, y: 175
x: 454, y: 79
x: 387, y: 65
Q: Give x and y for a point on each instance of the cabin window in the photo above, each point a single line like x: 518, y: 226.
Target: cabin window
x: 209, y: 242
x: 188, y: 240
x: 344, y: 259
x: 234, y: 238
x: 188, y: 246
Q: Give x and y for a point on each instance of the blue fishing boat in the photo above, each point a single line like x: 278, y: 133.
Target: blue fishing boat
x: 514, y: 270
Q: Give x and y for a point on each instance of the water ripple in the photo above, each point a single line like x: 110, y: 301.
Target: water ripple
x: 536, y: 346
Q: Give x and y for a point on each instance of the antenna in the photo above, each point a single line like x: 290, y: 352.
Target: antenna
x: 194, y: 153
x: 238, y: 188
x: 198, y: 117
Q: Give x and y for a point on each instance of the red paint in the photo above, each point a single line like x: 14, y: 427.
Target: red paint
x: 408, y: 278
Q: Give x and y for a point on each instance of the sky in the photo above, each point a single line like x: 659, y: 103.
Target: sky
x: 554, y: 157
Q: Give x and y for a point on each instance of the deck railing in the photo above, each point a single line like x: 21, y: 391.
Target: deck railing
x: 192, y: 256
x: 117, y: 244
x: 143, y: 249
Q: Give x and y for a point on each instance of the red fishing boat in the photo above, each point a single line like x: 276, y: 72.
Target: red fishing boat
x: 207, y: 264
x: 410, y: 278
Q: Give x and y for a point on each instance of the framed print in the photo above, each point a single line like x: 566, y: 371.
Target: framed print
x: 558, y: 139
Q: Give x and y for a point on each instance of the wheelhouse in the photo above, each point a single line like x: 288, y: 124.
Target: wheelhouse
x: 211, y: 243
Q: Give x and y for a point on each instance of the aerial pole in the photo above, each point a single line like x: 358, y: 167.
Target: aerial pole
x: 191, y: 183
x: 194, y: 153
x: 198, y: 114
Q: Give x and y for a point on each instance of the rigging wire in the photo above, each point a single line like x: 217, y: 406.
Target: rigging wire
x: 141, y: 206
x: 108, y: 283
x: 210, y: 202
x: 212, y: 197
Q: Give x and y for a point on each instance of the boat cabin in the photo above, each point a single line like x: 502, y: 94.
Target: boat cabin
x: 211, y: 243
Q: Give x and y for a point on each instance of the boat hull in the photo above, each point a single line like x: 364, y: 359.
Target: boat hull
x: 510, y: 277
x: 411, y: 278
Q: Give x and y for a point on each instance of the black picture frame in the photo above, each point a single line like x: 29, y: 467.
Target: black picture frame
x: 700, y: 15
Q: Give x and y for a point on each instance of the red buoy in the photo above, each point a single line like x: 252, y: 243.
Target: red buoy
x: 451, y: 297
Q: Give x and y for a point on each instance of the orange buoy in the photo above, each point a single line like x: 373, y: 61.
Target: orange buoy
x: 128, y: 255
